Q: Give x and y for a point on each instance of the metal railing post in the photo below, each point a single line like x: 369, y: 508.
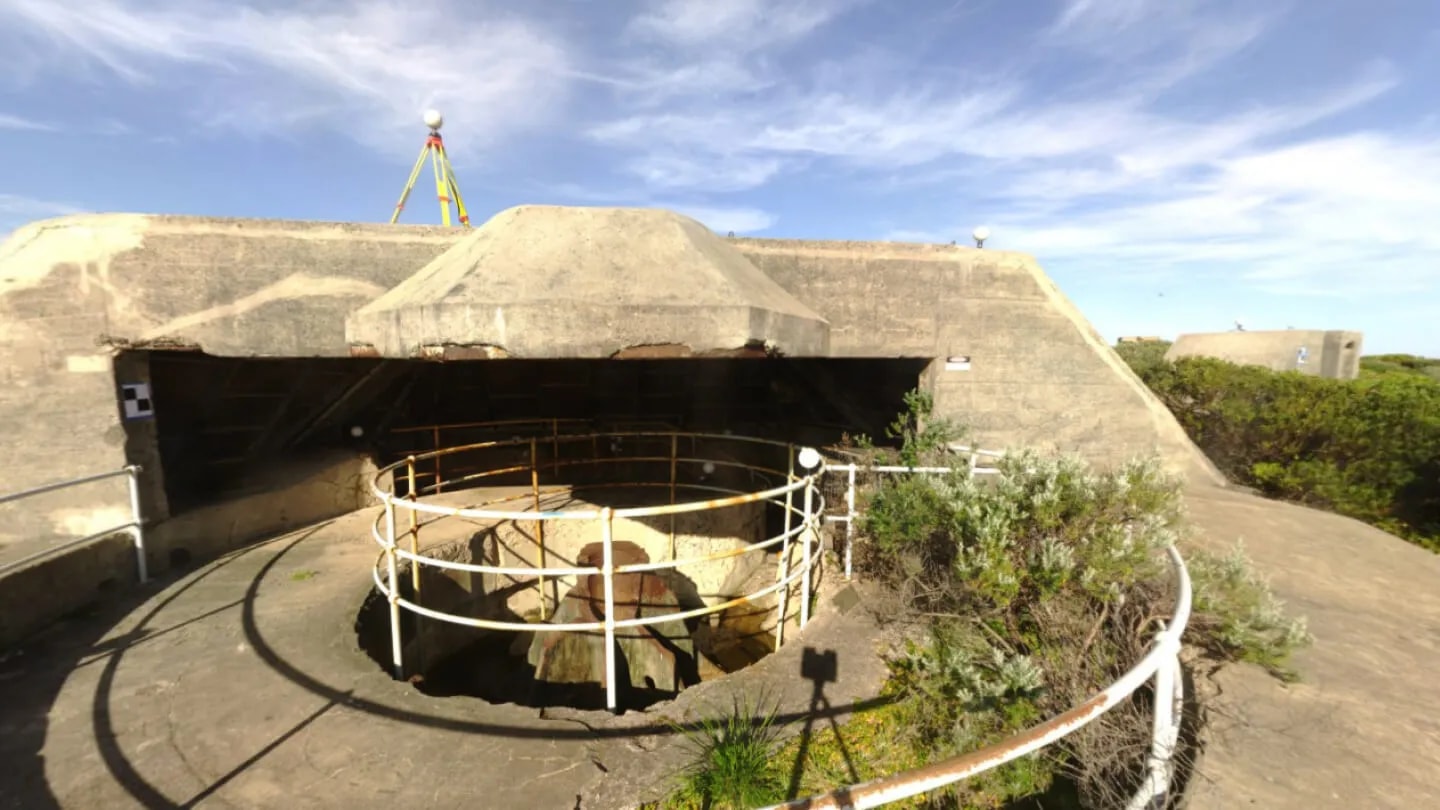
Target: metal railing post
x: 607, y: 573
x: 849, y: 519
x: 810, y: 534
x: 414, y: 524
x: 784, y: 595
x: 539, y: 524
x: 395, y: 652
x: 674, y: 461
x: 1169, y: 703
x: 137, y: 530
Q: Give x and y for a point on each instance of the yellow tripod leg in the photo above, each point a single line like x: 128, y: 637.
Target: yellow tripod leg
x: 441, y: 189
x: 409, y: 184
x: 455, y: 189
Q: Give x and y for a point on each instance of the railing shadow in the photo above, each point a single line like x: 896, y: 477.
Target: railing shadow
x: 35, y: 793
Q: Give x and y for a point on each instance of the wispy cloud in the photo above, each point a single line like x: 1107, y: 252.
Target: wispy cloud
x: 16, y: 122
x: 1335, y: 216
x: 367, y: 68
x: 739, y: 220
x: 17, y: 210
x: 839, y: 111
x: 744, y: 25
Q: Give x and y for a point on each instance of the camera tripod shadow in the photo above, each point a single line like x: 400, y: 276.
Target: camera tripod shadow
x: 819, y: 668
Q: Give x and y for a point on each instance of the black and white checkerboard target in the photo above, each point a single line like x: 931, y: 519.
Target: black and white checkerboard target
x: 135, y: 398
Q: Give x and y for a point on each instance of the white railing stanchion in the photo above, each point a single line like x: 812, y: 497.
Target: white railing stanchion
x: 810, y: 534
x: 137, y: 526
x: 396, y: 658
x: 849, y: 519
x: 607, y: 573
x: 783, y: 598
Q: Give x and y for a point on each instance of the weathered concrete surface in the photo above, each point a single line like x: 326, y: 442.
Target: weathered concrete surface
x: 1334, y: 354
x: 241, y: 685
x: 1360, y: 730
x: 73, y: 288
x: 1037, y: 375
x: 555, y: 281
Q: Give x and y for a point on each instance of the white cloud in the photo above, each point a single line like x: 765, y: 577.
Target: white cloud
x: 17, y: 210
x: 1335, y: 216
x: 746, y: 25
x: 723, y: 220
x: 717, y: 173
x: 17, y: 122
x: 364, y: 68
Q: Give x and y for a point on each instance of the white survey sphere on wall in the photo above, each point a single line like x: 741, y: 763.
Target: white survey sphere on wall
x: 809, y: 458
x: 981, y: 233
x: 357, y: 431
x: 709, y: 467
x: 433, y: 119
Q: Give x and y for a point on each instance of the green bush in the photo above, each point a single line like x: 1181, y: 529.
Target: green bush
x: 1143, y: 356
x: 1382, y: 365
x: 1043, y: 584
x: 1236, y: 615
x: 1021, y: 594
x: 1367, y: 448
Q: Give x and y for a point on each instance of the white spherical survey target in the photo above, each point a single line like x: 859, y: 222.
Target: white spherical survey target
x: 433, y: 119
x: 709, y: 467
x: 809, y: 458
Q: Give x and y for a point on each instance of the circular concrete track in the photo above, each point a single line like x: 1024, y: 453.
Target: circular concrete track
x: 241, y: 684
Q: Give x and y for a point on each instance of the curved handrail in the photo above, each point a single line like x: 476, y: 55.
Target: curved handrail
x: 584, y: 514
x: 802, y: 531
x: 633, y: 568
x: 906, y: 784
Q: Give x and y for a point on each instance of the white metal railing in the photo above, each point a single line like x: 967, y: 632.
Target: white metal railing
x: 133, y: 527
x: 1161, y: 663
x: 804, y: 531
x: 974, y: 456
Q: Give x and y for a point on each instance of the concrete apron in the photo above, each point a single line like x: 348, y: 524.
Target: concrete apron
x: 243, y: 681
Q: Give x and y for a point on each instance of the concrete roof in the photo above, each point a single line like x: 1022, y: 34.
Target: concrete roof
x: 551, y: 281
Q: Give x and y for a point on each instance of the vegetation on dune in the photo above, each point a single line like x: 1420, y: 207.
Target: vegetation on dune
x: 1367, y: 448
x: 1017, y: 596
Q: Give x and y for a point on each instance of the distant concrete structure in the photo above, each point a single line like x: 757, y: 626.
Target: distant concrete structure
x: 1332, y: 354
x: 1139, y: 339
x: 258, y: 346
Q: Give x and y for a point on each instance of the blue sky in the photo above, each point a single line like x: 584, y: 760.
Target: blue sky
x: 1176, y: 165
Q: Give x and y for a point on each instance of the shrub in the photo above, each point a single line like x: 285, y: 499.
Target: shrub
x: 1366, y: 448
x: 1043, y: 584
x: 1022, y: 594
x: 1236, y: 615
x: 1143, y: 356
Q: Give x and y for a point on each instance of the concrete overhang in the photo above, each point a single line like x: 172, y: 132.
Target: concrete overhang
x: 551, y: 282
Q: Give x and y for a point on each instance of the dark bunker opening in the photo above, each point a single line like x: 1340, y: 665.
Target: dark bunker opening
x: 226, y: 428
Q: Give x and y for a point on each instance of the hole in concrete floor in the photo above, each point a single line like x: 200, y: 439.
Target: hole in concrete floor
x: 718, y: 559
x: 495, y: 666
